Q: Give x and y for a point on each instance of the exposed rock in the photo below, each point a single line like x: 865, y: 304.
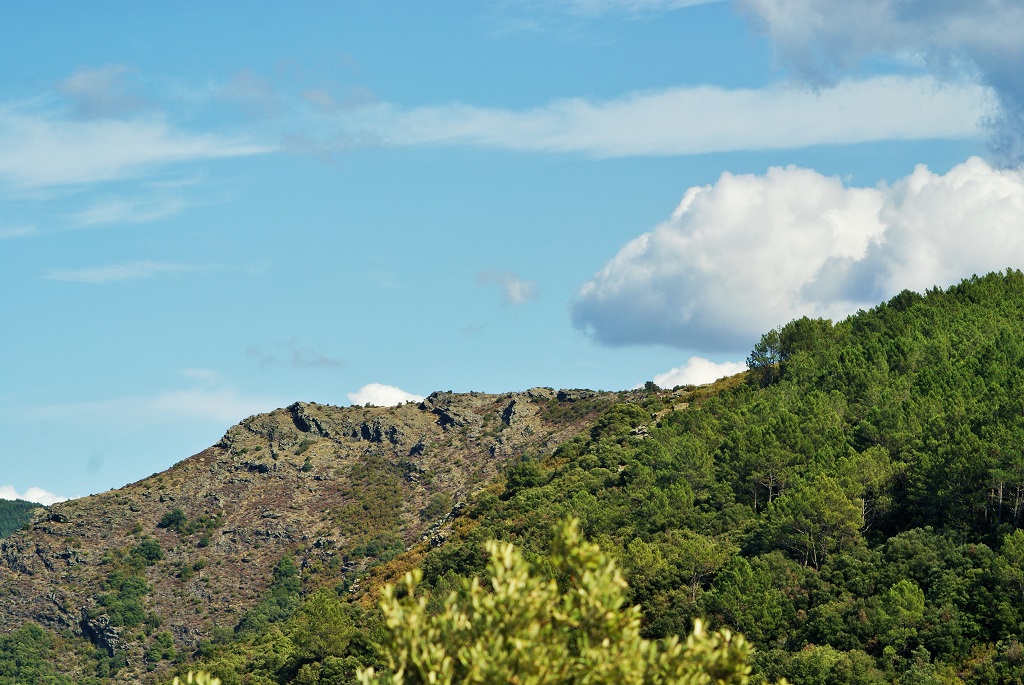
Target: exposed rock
x: 378, y: 430
x: 575, y: 395
x: 451, y: 413
x: 541, y: 394
x: 259, y: 466
x: 508, y: 414
x: 306, y: 422
x: 97, y: 630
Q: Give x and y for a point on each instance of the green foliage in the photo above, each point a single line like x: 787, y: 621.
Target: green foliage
x: 123, y: 605
x: 25, y: 657
x: 279, y: 603
x: 765, y: 358
x: 322, y: 628
x: 439, y: 504
x: 173, y: 520
x: 14, y: 515
x: 526, y: 628
x: 177, y: 521
x: 382, y: 547
x: 161, y: 649
x: 864, y: 495
x: 148, y: 551
x: 200, y: 678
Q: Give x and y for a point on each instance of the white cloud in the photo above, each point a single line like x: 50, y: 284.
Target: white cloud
x: 33, y: 494
x: 688, y: 120
x: 698, y: 371
x: 380, y: 395
x: 822, y: 39
x: 515, y: 290
x: 43, y: 148
x: 117, y: 272
x: 752, y: 252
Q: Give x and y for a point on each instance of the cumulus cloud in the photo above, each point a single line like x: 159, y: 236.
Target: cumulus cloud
x: 130, y: 271
x: 688, y: 120
x: 33, y: 494
x: 751, y: 252
x: 698, y: 371
x: 380, y: 395
x: 824, y: 39
x: 515, y: 290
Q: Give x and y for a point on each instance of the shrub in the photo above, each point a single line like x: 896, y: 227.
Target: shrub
x: 520, y: 627
x: 173, y: 520
x: 148, y: 550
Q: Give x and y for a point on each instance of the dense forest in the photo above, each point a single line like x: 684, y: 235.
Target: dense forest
x: 14, y: 514
x: 853, y: 505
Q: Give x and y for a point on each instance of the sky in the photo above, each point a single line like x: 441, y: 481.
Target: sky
x: 211, y: 210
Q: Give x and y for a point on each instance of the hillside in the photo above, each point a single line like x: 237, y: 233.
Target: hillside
x: 334, y: 487
x: 14, y: 514
x: 854, y: 505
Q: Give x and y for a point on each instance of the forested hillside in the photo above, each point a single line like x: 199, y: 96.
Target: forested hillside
x: 853, y: 505
x: 14, y: 514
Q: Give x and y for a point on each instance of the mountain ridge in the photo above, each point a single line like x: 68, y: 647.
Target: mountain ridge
x: 309, y: 479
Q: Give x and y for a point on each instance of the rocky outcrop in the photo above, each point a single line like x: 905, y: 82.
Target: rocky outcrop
x: 379, y: 430
x: 97, y: 630
x: 307, y: 422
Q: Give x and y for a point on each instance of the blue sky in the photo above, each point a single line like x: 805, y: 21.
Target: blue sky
x: 208, y: 211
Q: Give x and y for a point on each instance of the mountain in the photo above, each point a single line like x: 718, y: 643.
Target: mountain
x: 853, y: 505
x: 312, y: 481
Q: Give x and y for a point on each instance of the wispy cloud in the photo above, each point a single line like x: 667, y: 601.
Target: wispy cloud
x: 33, y: 494
x: 515, y: 290
x: 823, y: 40
x: 595, y: 7
x: 113, y: 210
x: 18, y: 231
x: 43, y: 148
x: 104, y: 91
x: 293, y: 355
x: 209, y: 400
x: 117, y: 272
x: 687, y: 120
